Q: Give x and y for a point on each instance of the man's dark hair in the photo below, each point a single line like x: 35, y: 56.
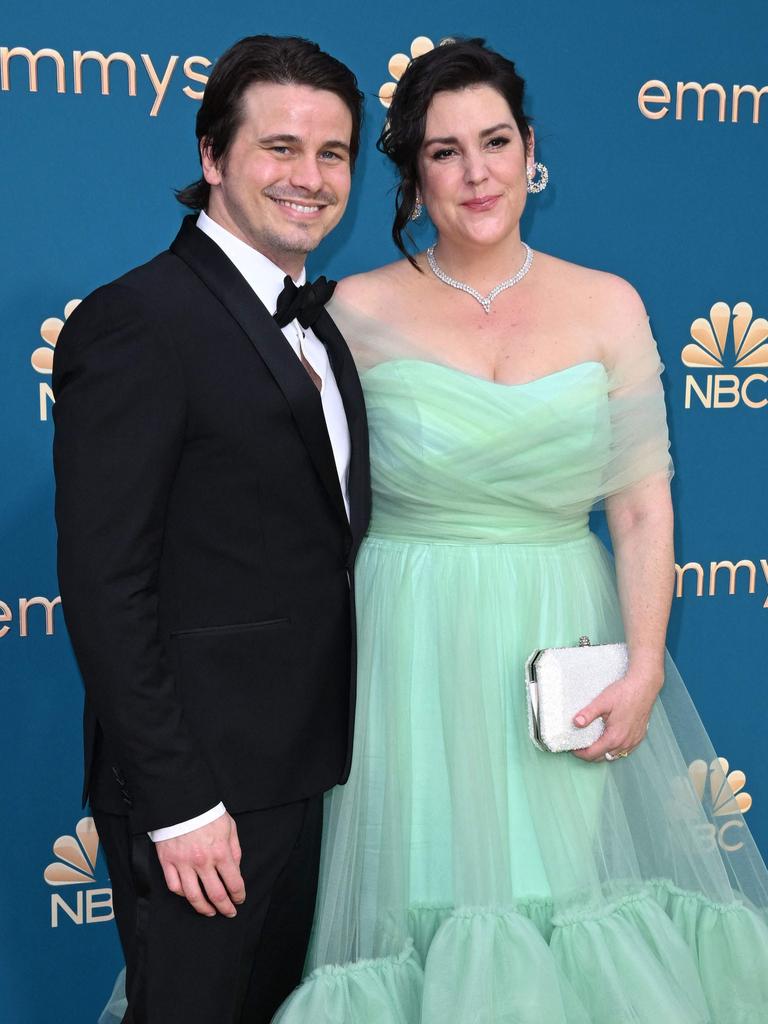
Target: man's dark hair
x: 453, y: 65
x: 282, y: 60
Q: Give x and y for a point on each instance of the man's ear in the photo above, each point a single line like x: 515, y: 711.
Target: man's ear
x: 211, y: 167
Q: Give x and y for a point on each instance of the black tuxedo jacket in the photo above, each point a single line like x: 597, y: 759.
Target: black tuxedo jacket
x: 205, y: 556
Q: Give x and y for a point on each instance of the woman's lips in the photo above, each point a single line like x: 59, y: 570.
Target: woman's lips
x: 482, y: 203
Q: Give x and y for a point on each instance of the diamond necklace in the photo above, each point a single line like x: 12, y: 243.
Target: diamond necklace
x: 485, y: 301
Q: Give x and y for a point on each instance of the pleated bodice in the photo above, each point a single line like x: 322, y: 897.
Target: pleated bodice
x: 458, y: 458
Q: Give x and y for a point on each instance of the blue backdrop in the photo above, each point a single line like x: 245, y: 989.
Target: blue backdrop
x: 653, y: 120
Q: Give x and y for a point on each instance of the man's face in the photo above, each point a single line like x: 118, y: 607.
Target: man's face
x: 284, y: 182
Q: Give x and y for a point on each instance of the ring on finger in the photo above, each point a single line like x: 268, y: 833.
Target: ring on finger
x: 615, y: 757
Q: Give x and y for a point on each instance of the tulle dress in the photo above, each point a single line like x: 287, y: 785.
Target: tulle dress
x: 467, y: 877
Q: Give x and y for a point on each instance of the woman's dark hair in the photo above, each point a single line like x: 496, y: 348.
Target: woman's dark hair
x: 455, y: 64
x: 283, y: 60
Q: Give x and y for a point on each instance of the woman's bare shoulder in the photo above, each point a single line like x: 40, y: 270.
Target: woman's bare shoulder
x: 608, y: 304
x: 374, y: 291
x: 596, y: 287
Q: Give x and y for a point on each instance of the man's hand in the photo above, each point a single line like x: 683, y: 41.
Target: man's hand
x: 205, y: 863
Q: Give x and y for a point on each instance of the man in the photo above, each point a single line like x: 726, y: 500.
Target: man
x: 212, y: 490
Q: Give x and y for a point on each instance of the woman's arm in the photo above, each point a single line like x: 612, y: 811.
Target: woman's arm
x: 640, y: 522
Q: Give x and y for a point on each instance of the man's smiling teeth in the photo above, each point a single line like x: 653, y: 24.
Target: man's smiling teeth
x: 298, y: 206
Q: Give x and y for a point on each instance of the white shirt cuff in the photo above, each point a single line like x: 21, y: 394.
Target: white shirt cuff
x: 157, y: 835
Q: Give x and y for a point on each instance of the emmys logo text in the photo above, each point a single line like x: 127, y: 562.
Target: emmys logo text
x: 734, y: 103
x: 733, y: 339
x: 21, y: 620
x: 22, y: 68
x: 74, y: 874
x: 718, y: 578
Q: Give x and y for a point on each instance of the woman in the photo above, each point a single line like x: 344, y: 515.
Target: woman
x: 468, y: 876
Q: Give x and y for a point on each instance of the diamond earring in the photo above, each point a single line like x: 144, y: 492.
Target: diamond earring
x: 537, y: 186
x: 418, y: 208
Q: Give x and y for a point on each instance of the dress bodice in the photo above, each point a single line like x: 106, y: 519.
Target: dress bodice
x: 457, y: 458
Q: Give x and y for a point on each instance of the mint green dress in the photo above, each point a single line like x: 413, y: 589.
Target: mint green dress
x: 467, y: 877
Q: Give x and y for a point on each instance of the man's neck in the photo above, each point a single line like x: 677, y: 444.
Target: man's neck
x: 291, y: 263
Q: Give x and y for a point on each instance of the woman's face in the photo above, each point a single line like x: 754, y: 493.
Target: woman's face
x: 472, y: 166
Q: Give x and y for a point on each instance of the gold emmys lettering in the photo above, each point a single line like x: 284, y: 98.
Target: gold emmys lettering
x: 159, y: 76
x: 745, y: 570
x: 728, y: 337
x: 22, y: 619
x: 655, y: 99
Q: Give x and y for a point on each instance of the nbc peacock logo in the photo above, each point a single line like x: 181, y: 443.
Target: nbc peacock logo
x: 724, y: 799
x: 730, y: 338
x: 76, y: 865
x: 42, y: 358
x: 398, y: 62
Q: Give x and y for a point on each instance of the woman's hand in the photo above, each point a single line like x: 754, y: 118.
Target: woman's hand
x: 625, y: 706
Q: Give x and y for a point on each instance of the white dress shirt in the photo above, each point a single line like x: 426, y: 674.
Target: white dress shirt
x: 267, y: 280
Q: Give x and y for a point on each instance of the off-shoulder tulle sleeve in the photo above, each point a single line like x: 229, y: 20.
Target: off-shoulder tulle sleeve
x: 373, y: 341
x: 639, y: 438
x: 600, y: 429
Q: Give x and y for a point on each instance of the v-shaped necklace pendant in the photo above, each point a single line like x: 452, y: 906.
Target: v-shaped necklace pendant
x: 484, y: 300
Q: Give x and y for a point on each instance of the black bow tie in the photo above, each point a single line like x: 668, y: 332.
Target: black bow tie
x: 304, y: 304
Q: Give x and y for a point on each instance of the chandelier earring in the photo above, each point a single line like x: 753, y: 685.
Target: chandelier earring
x: 418, y: 208
x: 535, y: 186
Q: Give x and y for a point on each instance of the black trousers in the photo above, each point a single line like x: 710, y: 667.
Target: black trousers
x: 183, y: 968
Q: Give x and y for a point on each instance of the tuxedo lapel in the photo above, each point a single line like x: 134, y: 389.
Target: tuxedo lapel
x: 217, y: 272
x: 354, y: 406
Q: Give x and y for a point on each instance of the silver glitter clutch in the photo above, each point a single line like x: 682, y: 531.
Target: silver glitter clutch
x: 559, y: 682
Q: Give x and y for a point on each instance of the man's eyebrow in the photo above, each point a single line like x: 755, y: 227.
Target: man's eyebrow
x: 279, y: 137
x: 295, y: 140
x: 451, y: 140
